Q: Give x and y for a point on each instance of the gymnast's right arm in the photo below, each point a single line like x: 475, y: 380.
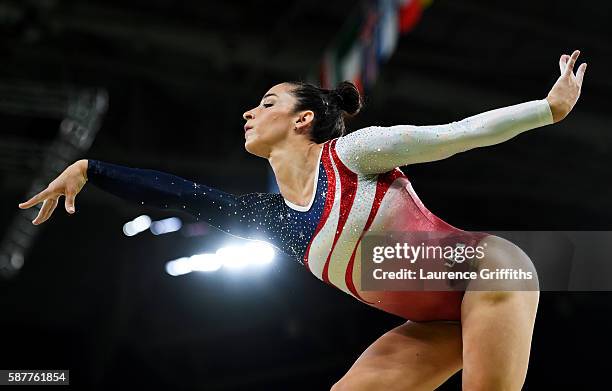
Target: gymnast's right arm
x: 225, y: 211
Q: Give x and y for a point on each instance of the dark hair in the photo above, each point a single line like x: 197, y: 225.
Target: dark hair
x: 330, y: 107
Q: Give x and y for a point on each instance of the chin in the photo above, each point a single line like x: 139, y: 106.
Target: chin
x: 251, y: 148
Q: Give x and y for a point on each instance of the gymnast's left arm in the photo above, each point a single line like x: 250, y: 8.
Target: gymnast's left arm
x: 379, y: 149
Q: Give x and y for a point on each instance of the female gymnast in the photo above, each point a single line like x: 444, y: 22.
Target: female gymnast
x: 334, y: 187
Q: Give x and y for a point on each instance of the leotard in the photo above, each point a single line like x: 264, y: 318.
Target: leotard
x: 358, y: 188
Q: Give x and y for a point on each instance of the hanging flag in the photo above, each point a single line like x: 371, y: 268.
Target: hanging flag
x: 368, y: 40
x: 387, y: 28
x: 409, y: 14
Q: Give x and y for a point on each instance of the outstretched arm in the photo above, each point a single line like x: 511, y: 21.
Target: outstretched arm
x: 251, y: 216
x: 230, y: 213
x: 241, y: 216
x: 378, y: 149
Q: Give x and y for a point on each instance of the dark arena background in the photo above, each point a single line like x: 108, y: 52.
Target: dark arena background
x: 163, y: 84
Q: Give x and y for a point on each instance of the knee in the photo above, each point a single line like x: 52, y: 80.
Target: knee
x: 496, y: 297
x: 499, y: 297
x: 524, y: 304
x: 525, y: 298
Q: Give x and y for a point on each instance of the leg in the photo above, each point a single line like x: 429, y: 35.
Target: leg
x: 413, y: 356
x: 497, y: 326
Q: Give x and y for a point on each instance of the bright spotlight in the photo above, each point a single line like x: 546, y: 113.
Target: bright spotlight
x: 178, y: 267
x: 139, y: 224
x: 129, y: 230
x: 205, y: 262
x: 142, y: 223
x: 165, y: 226
x: 231, y: 257
x: 260, y: 253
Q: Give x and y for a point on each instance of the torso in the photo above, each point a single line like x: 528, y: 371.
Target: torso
x: 326, y: 235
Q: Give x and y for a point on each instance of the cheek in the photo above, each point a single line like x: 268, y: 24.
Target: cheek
x: 274, y: 124
x: 276, y: 121
x: 274, y: 118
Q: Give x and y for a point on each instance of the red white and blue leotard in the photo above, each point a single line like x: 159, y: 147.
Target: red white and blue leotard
x: 358, y: 189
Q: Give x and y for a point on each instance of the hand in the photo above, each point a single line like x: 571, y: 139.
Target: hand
x: 69, y: 184
x: 564, y: 94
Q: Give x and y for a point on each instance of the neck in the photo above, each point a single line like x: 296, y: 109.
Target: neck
x: 294, y: 166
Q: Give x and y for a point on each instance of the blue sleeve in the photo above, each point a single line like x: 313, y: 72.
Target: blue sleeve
x: 243, y: 216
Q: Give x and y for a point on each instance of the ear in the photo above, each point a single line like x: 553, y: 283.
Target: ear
x: 304, y: 121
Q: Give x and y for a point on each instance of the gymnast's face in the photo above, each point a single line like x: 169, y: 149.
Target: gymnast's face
x: 274, y: 122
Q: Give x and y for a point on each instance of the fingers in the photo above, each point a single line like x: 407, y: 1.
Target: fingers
x: 580, y: 73
x: 572, y: 60
x: 69, y: 201
x: 563, y: 62
x: 46, y: 210
x: 35, y: 200
x: 51, y: 203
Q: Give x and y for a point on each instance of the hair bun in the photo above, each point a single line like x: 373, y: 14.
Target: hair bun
x: 349, y: 97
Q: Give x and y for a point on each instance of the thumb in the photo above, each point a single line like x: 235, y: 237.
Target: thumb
x: 580, y: 73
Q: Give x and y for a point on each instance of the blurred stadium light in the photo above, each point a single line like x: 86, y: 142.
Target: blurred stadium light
x: 233, y: 257
x: 80, y: 112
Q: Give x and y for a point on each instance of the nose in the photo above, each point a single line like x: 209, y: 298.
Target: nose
x: 247, y: 115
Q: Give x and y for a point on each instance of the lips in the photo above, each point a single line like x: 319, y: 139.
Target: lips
x: 246, y: 128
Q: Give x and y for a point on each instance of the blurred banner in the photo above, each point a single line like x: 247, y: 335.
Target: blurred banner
x: 367, y: 40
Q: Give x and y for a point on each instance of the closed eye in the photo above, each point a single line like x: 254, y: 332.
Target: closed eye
x: 267, y: 104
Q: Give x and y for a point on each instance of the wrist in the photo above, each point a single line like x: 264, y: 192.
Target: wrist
x: 556, y: 115
x: 82, y: 165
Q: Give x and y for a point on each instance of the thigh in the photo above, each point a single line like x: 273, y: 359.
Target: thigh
x: 497, y: 327
x: 413, y: 356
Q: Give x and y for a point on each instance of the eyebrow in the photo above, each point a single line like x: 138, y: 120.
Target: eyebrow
x: 267, y: 95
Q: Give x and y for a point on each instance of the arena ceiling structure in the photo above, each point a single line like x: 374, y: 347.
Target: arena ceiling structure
x: 174, y: 79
